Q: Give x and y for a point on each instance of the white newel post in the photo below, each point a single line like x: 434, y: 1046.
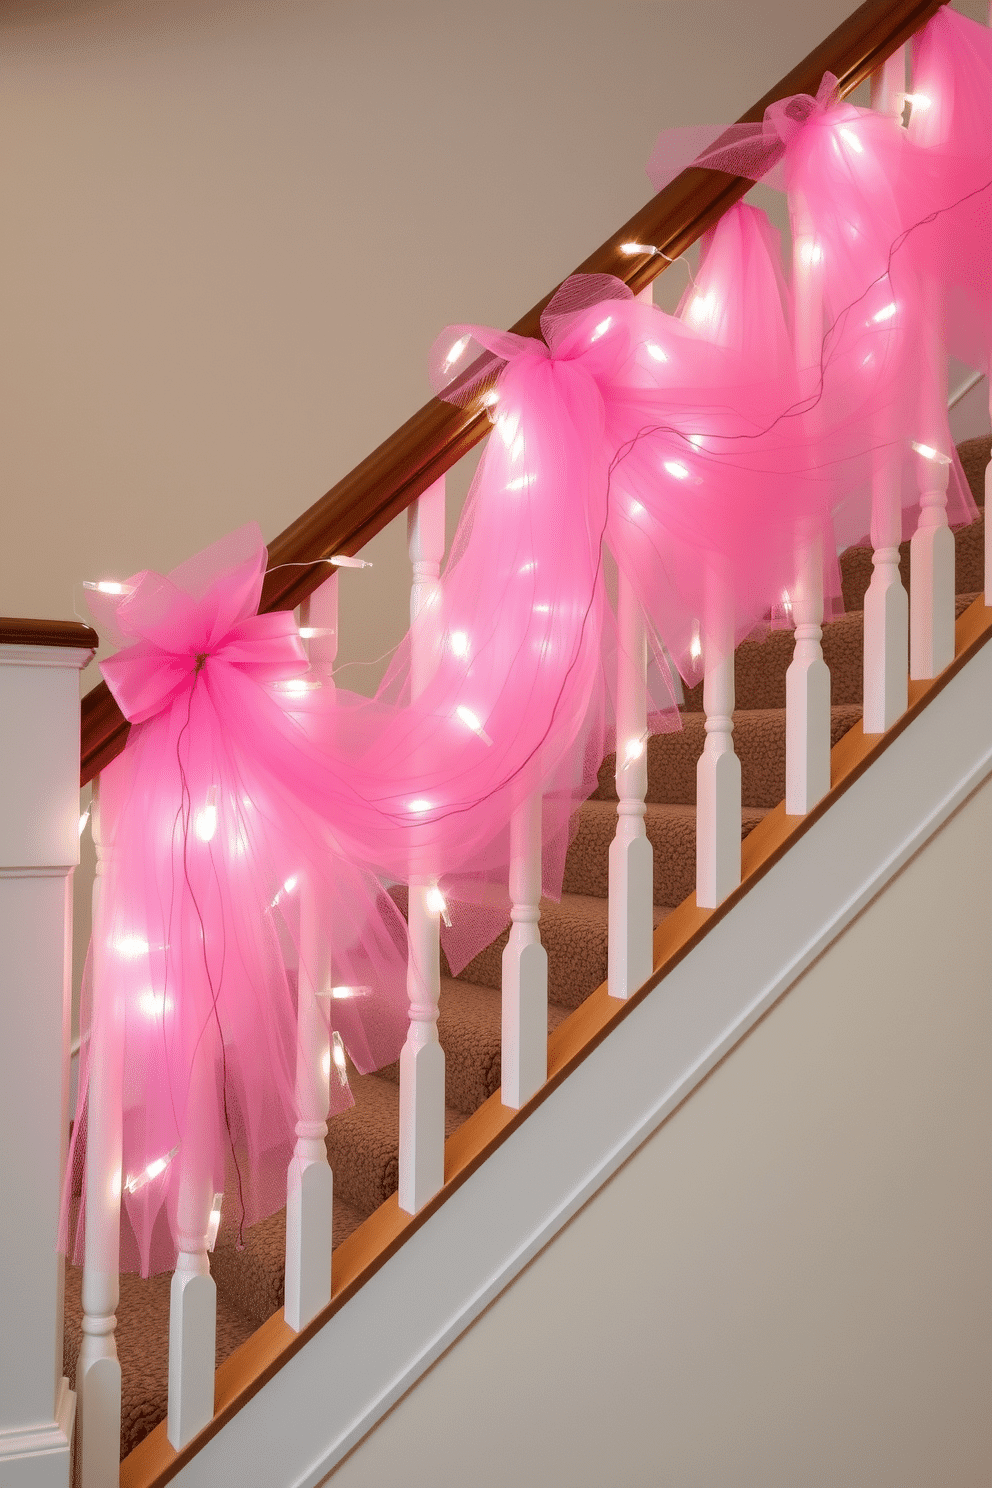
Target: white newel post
x: 524, y: 1056
x: 807, y: 682
x: 886, y: 660
x: 718, y: 774
x: 98, y: 1371
x: 631, y: 886
x: 310, y: 1183
x: 193, y: 1298
x: 39, y: 761
x: 421, y: 1159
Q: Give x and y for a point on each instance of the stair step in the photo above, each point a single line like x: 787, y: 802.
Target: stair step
x: 759, y: 739
x: 574, y: 933
x: 671, y: 831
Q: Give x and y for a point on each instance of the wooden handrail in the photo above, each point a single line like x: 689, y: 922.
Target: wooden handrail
x: 429, y: 443
x: 70, y: 634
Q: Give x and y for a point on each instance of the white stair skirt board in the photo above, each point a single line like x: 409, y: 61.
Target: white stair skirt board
x: 335, y: 1389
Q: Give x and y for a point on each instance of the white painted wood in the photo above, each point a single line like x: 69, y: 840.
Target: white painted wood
x: 325, y: 1399
x: 421, y: 1157
x: 524, y: 1045
x: 39, y: 760
x: 807, y: 682
x: 98, y: 1371
x: 193, y: 1296
x: 886, y: 656
x: 718, y: 775
x: 310, y: 1183
x: 631, y: 885
x: 888, y: 85
x: 931, y: 556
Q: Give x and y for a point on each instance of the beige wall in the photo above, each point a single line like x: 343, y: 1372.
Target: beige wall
x: 232, y: 229
x: 789, y: 1284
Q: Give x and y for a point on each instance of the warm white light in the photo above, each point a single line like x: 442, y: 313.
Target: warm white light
x: 213, y: 1223
x: 810, y: 253
x: 918, y: 100
x: 325, y: 1063
x: 343, y: 560
x: 697, y: 440
x: 106, y: 586
x: 419, y: 805
x: 154, y: 1004
x: 472, y: 721
x: 342, y: 994
x: 677, y: 469
x: 886, y: 313
x: 654, y: 350
x: 520, y: 482
x: 602, y: 328
x: 634, y: 749
x: 703, y: 306
x: 852, y: 140
x: 542, y: 609
x: 290, y: 885
x: 206, y: 820
x: 633, y: 249
x: 298, y: 686
x: 459, y: 642
x: 695, y: 645
x: 929, y: 453
x: 131, y: 947
x: 490, y: 399
x: 83, y: 820
x: 526, y: 567
x: 153, y: 1170
x: 456, y: 351
x: 506, y: 425
x: 435, y: 902
x: 339, y: 1058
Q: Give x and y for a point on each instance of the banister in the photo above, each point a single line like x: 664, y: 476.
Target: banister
x: 437, y: 436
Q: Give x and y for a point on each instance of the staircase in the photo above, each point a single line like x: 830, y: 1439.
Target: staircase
x: 363, y: 1142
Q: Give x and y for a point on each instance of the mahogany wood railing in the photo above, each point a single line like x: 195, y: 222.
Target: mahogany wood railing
x: 439, y: 434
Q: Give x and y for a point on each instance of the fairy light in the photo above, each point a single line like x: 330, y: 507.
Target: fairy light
x: 929, y: 453
x: 636, y: 509
x: 131, y: 947
x: 810, y: 253
x: 602, y: 328
x: 154, y: 1004
x: 677, y: 469
x: 154, y: 1170
x: 338, y: 1053
x: 325, y: 1063
x: 456, y: 351
x: 786, y: 602
x: 526, y: 568
x: 655, y: 352
x: 287, y: 888
x: 419, y: 805
x: 918, y: 100
x: 634, y: 748
x: 459, y: 642
x: 702, y: 306
x: 490, y: 399
x: 106, y: 586
x: 542, y: 609
x: 344, y: 560
x: 206, y: 819
x: 851, y: 139
x: 472, y: 721
x: 343, y: 994
x: 435, y: 902
x: 506, y: 426
x: 83, y: 820
x: 695, y: 645
x: 632, y: 250
x: 521, y: 482
x: 298, y: 686
x: 213, y: 1223
x: 886, y: 313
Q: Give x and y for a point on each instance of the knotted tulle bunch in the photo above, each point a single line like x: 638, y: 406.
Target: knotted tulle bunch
x: 231, y: 872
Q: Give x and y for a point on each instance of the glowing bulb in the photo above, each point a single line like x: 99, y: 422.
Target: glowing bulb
x: 131, y: 947
x: 338, y: 1055
x: 341, y: 994
x: 677, y: 469
x: 852, y: 140
x: 810, y: 253
x: 83, y: 820
x: 929, y: 453
x: 154, y: 1004
x: 654, y: 350
x: 520, y: 482
x: 703, y: 306
x: 419, y: 805
x: 633, y: 249
x: 435, y: 902
x: 456, y: 351
x: 602, y: 328
x: 470, y: 720
x: 526, y: 568
x: 634, y: 749
x: 342, y: 560
x: 695, y: 645
x: 459, y: 642
x: 542, y: 609
x: 298, y: 686
x: 213, y: 1223
x: 325, y: 1063
x: 886, y: 313
x: 490, y: 399
x: 106, y: 586
x: 206, y: 820
x: 506, y: 425
x: 636, y: 509
x: 154, y: 1170
x: 918, y: 100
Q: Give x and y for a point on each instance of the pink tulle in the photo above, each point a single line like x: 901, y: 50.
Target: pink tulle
x: 215, y: 823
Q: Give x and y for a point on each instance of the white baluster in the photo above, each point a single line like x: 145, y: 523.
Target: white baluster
x: 718, y: 774
x: 98, y: 1371
x: 193, y: 1297
x: 310, y: 1183
x: 631, y: 920
x: 888, y: 85
x: 931, y: 556
x: 421, y: 1160
x: 886, y: 659
x: 807, y: 682
x: 39, y: 846
x: 524, y: 1057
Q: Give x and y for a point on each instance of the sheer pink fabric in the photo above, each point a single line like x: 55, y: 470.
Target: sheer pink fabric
x: 216, y: 819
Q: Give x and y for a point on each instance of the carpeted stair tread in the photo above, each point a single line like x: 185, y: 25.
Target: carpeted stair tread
x: 254, y: 1279
x: 671, y: 831
x: 469, y: 1028
x: 763, y: 659
x: 574, y: 935
x: 143, y: 1345
x: 759, y: 740
x: 363, y: 1143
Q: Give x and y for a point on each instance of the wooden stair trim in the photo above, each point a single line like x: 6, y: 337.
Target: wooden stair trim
x: 71, y: 635
x: 155, y: 1462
